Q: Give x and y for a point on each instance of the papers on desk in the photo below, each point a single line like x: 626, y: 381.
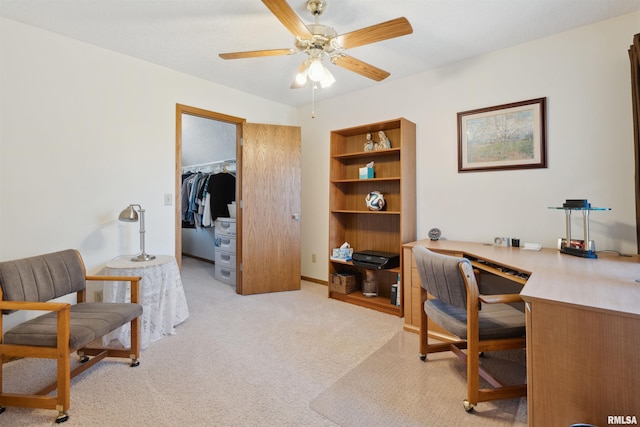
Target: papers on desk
x: 532, y: 246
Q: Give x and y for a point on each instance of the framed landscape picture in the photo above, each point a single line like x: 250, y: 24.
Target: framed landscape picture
x: 503, y: 137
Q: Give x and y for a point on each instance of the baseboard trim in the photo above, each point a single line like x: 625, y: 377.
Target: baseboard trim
x: 311, y: 279
x: 199, y: 258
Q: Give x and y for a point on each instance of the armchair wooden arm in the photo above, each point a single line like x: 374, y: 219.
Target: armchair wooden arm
x: 500, y: 299
x: 32, y: 305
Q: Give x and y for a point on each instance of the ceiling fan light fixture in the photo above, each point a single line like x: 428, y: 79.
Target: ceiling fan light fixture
x: 316, y: 70
x: 328, y: 79
x: 301, y: 77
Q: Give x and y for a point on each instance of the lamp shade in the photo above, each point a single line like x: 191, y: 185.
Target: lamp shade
x: 328, y: 79
x: 316, y: 70
x: 128, y: 214
x: 301, y: 78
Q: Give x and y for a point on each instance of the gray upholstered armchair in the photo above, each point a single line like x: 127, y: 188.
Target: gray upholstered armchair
x: 452, y: 300
x: 30, y: 284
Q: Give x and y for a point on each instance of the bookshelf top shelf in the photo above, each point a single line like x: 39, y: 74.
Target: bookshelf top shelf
x: 375, y: 153
x: 391, y: 178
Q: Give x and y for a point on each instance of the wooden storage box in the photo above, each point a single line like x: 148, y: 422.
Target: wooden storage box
x: 343, y: 283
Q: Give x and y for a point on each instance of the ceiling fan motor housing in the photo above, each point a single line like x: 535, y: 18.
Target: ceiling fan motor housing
x: 316, y: 7
x: 321, y: 40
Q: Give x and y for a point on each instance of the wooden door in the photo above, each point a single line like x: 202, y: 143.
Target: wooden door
x: 269, y: 186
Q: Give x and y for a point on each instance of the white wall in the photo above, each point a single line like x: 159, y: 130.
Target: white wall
x: 585, y: 75
x: 86, y: 131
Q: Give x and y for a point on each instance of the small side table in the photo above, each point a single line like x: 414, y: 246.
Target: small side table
x: 161, y: 296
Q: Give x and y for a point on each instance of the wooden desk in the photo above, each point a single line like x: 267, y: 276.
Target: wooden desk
x: 583, y: 328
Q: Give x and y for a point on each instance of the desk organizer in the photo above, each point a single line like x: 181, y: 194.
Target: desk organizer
x: 586, y: 249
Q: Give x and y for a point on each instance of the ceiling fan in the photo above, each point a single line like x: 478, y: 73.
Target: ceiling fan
x: 318, y: 41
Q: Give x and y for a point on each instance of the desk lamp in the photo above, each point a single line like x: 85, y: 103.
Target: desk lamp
x: 129, y: 214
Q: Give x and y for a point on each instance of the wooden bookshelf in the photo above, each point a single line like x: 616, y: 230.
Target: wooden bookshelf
x: 349, y: 218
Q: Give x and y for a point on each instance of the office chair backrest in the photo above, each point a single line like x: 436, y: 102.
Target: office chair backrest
x: 441, y: 277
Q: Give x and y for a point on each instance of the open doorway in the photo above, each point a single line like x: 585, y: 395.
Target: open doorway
x: 207, y: 144
x: 268, y: 202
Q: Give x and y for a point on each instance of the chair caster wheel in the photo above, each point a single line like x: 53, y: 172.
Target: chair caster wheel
x: 135, y: 363
x: 423, y: 357
x: 468, y: 406
x: 2, y: 409
x: 84, y: 359
x: 62, y: 417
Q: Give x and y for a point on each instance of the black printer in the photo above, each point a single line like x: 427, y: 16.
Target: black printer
x: 375, y: 260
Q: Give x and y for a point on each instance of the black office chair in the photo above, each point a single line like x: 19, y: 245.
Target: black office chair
x: 451, y: 299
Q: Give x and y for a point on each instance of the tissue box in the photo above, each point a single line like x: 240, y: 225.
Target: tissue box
x: 342, y: 254
x: 366, y: 172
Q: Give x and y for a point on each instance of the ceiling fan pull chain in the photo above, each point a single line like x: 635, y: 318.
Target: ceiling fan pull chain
x: 313, y: 100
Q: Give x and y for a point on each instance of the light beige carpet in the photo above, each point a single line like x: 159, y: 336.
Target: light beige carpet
x: 376, y: 392
x: 257, y: 360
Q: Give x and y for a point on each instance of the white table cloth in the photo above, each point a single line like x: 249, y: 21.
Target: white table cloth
x: 161, y: 296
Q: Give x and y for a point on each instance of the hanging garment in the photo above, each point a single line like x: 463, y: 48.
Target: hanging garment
x: 222, y: 189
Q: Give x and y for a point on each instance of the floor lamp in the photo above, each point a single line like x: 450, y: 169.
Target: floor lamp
x: 129, y: 214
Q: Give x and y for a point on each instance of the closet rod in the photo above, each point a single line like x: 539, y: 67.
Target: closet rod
x: 218, y: 162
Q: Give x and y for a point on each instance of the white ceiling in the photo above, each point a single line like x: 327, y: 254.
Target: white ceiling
x: 188, y: 35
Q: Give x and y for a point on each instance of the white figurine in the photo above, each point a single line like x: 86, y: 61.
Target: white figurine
x: 384, y: 141
x: 368, y: 146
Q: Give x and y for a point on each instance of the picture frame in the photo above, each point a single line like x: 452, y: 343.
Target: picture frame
x: 503, y: 137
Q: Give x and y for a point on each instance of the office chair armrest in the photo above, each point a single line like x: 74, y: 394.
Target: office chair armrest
x: 500, y: 299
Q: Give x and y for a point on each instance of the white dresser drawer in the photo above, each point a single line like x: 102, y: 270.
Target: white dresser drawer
x: 226, y: 226
x: 225, y: 275
x: 225, y: 243
x: 225, y: 260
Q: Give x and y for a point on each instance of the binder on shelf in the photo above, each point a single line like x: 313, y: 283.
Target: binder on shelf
x: 394, y: 294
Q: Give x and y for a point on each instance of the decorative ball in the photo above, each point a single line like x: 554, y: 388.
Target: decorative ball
x: 375, y: 201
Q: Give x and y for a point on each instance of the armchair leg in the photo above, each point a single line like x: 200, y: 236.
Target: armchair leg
x: 82, y: 358
x: 62, y: 417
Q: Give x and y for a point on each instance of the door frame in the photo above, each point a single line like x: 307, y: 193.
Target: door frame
x: 239, y: 122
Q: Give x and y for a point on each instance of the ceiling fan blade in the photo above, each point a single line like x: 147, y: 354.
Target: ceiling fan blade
x: 375, y: 33
x: 257, y: 53
x: 288, y: 17
x: 360, y: 67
